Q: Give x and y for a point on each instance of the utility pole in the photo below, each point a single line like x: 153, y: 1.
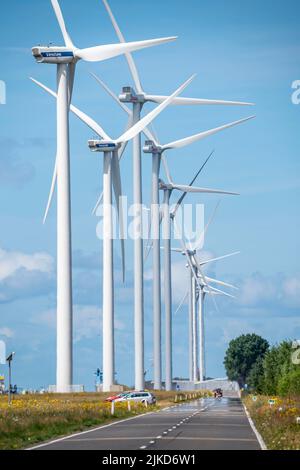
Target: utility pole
x: 9, y: 360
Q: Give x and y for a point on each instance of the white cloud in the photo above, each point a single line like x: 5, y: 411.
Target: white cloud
x: 291, y: 291
x: 6, y: 332
x: 256, y: 289
x: 11, y: 262
x: 87, y: 321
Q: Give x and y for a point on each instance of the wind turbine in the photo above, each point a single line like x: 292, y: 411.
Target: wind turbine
x: 111, y: 172
x: 196, y: 273
x: 137, y: 97
x: 202, y: 293
x: 66, y: 58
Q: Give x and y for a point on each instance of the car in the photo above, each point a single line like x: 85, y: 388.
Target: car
x: 142, y: 397
x: 115, y: 397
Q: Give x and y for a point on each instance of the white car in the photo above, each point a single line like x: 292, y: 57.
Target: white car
x: 138, y: 397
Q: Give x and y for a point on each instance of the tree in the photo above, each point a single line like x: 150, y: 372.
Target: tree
x: 241, y: 356
x: 289, y: 384
x: 278, y: 370
x: 255, y: 378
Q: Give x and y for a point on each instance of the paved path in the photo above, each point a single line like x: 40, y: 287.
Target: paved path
x: 199, y: 425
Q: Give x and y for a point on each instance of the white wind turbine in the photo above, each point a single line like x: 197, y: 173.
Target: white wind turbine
x: 66, y: 58
x: 198, y: 281
x: 138, y: 98
x: 156, y: 149
x: 201, y: 317
x: 111, y: 172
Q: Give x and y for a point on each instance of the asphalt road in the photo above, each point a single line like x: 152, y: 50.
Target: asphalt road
x: 199, y: 425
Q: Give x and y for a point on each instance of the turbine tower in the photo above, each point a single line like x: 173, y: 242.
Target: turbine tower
x: 138, y: 97
x: 111, y: 173
x: 66, y: 58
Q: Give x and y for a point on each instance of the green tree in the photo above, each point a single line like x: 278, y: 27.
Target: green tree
x: 242, y: 354
x: 278, y: 369
x: 255, y: 378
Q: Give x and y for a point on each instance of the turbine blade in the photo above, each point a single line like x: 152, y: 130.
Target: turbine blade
x: 98, y: 203
x: 182, y: 302
x: 112, y: 94
x: 128, y: 56
x: 203, y: 135
x: 196, y: 101
x: 176, y: 250
x: 117, y: 185
x: 200, y: 242
x: 52, y: 189
x: 213, y: 289
x: 62, y: 25
x: 81, y: 115
x: 140, y: 126
x: 221, y: 283
x: 72, y: 68
x: 203, y: 263
x: 166, y: 168
x: 191, y: 189
x: 100, y: 53
x: 181, y: 199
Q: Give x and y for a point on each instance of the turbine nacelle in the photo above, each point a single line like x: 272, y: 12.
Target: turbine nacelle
x: 53, y: 54
x: 164, y: 186
x: 151, y: 147
x: 98, y: 145
x: 129, y: 95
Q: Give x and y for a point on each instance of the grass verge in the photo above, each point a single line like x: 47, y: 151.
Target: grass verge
x: 276, y: 422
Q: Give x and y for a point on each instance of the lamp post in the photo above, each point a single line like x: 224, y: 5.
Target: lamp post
x: 9, y: 360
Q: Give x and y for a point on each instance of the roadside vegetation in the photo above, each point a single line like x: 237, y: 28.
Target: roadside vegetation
x: 32, y: 419
x: 276, y: 422
x: 270, y: 381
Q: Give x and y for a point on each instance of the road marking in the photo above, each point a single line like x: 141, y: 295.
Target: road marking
x: 257, y: 434
x: 143, y: 447
x: 164, y: 438
x: 88, y: 431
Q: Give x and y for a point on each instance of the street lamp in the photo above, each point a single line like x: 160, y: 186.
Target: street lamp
x: 9, y: 360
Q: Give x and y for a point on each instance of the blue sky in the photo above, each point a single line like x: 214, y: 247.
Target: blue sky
x: 245, y: 51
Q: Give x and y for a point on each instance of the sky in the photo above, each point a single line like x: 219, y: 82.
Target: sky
x: 247, y: 51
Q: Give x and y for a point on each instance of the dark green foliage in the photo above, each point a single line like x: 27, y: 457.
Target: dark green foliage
x: 279, y: 369
x: 242, y: 355
x: 266, y: 371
